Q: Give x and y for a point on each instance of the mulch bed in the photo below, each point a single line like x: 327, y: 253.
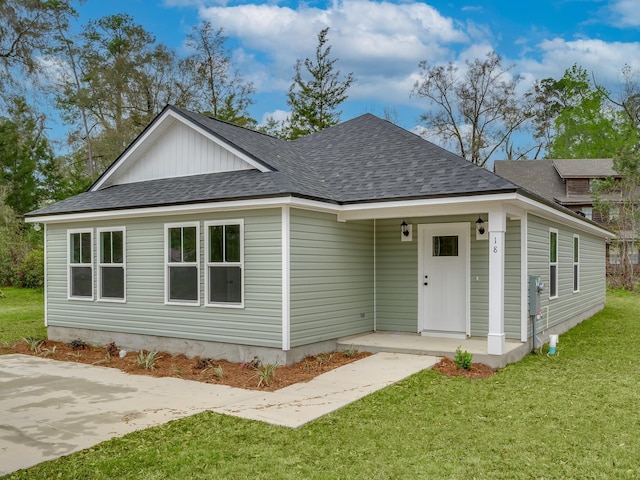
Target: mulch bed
x: 448, y: 367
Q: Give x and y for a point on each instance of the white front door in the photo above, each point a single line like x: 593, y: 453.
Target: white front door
x: 444, y: 271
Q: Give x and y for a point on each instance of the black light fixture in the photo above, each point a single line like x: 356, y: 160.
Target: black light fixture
x: 405, y: 228
x: 480, y: 225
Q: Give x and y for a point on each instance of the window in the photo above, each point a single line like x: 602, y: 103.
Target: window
x: 445, y: 246
x: 80, y: 265
x: 576, y: 263
x: 225, y: 262
x: 553, y: 263
x: 182, y: 273
x: 111, y: 264
x: 588, y: 212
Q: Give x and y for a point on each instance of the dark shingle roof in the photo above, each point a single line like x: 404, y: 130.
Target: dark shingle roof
x: 537, y: 176
x: 362, y: 160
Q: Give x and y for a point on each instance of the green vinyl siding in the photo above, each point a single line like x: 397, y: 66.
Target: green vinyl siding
x: 397, y: 276
x: 568, y: 304
x: 331, y: 277
x: 258, y: 323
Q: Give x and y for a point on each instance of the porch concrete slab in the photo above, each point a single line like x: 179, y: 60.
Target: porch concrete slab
x: 50, y: 408
x: 416, y: 344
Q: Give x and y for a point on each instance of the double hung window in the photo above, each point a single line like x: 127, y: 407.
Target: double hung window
x: 80, y: 265
x: 111, y: 264
x: 182, y: 272
x: 553, y: 263
x: 224, y: 262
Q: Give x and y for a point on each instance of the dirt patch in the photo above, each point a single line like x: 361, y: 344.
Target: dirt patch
x: 448, y: 367
x: 242, y: 375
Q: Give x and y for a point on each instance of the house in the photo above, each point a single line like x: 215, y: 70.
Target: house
x: 568, y: 183
x: 209, y: 239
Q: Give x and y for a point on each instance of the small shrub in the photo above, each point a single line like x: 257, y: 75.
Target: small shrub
x: 463, y: 359
x: 147, y: 360
x: 111, y: 349
x: 77, y: 344
x: 35, y: 344
x: 324, y: 358
x: 351, y: 352
x: 265, y: 373
x: 49, y: 352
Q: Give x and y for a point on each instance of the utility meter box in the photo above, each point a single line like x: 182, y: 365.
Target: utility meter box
x: 535, y: 289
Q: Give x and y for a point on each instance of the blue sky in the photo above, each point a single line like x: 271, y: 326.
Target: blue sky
x: 383, y: 42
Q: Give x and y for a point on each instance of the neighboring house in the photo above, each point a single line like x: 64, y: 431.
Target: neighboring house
x: 209, y: 239
x: 568, y: 183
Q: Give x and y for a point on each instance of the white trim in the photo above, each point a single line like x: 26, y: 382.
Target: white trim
x: 207, y: 263
x: 524, y: 278
x: 422, y: 254
x: 286, y: 278
x: 361, y: 211
x: 46, y: 281
x: 497, y: 245
x: 375, y: 278
x: 99, y: 264
x: 73, y: 231
x: 556, y: 263
x: 160, y: 125
x: 167, y: 264
x: 575, y: 273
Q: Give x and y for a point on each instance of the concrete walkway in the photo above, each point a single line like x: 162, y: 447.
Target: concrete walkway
x: 49, y: 408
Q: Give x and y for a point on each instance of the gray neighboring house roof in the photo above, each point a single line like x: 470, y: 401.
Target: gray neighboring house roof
x: 585, y: 168
x: 362, y: 160
x: 537, y: 176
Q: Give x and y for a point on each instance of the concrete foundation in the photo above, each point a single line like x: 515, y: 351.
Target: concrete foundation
x: 191, y: 348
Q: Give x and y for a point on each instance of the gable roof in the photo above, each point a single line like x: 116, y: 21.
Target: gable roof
x: 537, y: 176
x: 585, y: 168
x: 362, y: 160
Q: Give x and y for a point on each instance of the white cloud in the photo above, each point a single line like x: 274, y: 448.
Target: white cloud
x: 380, y: 42
x: 603, y: 59
x: 626, y: 13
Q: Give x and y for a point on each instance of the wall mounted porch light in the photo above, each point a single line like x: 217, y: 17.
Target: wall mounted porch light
x: 405, y: 232
x: 481, y: 230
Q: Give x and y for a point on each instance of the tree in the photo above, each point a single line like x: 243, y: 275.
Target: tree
x: 478, y: 111
x: 28, y: 172
x: 216, y: 89
x: 314, y: 101
x: 26, y: 27
x: 574, y: 118
x: 619, y: 199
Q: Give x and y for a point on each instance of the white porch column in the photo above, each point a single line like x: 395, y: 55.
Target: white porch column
x: 497, y: 229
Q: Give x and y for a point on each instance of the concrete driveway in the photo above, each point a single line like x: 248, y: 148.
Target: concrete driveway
x: 49, y: 408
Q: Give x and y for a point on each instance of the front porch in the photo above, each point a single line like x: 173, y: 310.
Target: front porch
x: 414, y: 343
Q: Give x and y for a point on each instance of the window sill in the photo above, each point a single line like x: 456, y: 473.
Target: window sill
x: 81, y: 299
x: 225, y: 305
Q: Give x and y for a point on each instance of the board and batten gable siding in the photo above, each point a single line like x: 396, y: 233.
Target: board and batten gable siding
x: 258, y: 323
x: 179, y: 152
x: 331, y: 277
x: 568, y: 304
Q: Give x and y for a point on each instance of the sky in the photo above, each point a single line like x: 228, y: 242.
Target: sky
x: 383, y: 42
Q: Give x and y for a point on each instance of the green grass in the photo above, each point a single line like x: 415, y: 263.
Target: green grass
x: 21, y: 314
x: 573, y: 415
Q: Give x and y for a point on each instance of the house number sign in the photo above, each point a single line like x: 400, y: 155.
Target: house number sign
x: 496, y: 243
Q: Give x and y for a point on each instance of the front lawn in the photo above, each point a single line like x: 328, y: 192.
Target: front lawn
x: 573, y: 415
x: 21, y: 314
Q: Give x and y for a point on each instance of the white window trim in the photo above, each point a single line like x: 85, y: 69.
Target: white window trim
x: 69, y: 264
x: 167, y: 264
x: 575, y: 263
x: 100, y: 264
x: 554, y: 230
x: 208, y: 264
